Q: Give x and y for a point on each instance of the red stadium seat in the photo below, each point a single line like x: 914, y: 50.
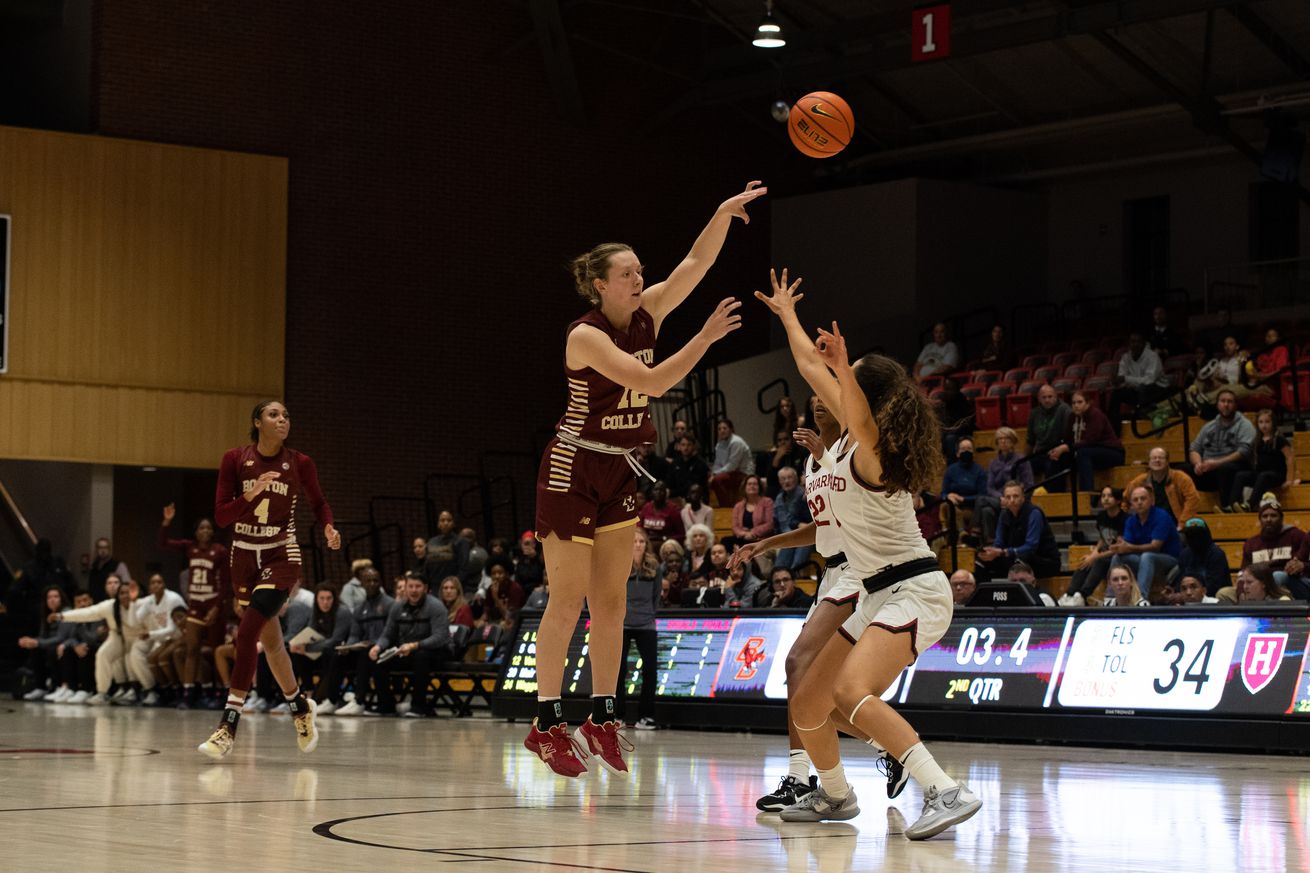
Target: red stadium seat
x: 935, y: 394
x: 1001, y: 389
x: 1077, y: 371
x: 973, y: 389
x: 1033, y: 361
x: 1046, y: 374
x: 987, y: 377
x: 1018, y: 375
x: 1108, y: 368
x: 1285, y: 396
x: 1017, y: 409
x: 1064, y: 386
x: 1064, y: 359
x: 1098, y: 383
x: 1092, y: 357
x: 987, y: 413
x: 1032, y: 386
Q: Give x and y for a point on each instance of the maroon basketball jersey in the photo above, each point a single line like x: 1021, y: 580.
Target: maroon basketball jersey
x: 205, y: 567
x: 600, y: 409
x: 271, y: 516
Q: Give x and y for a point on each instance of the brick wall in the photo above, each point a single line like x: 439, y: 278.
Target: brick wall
x: 435, y: 195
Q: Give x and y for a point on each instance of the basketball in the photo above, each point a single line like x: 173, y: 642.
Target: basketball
x: 820, y: 124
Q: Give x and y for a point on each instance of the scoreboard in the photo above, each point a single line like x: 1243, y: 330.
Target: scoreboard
x: 1184, y: 662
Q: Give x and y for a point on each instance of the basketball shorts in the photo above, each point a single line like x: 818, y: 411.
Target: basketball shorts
x: 835, y: 588
x: 264, y: 566
x: 581, y: 493
x: 211, y: 635
x: 921, y: 606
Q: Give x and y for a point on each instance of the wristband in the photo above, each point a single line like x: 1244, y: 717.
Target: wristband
x: 825, y: 461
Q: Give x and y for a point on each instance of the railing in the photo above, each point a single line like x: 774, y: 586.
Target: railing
x: 512, y: 470
x: 701, y: 413
x: 759, y: 396
x: 966, y: 330
x: 1257, y: 284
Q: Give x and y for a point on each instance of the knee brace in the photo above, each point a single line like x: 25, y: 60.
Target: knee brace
x: 268, y: 601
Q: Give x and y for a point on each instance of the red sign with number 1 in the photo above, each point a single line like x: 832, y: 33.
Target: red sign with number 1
x: 930, y: 33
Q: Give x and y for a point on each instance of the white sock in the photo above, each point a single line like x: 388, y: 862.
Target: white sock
x: 873, y: 744
x: 799, y: 767
x: 925, y: 770
x: 834, y: 782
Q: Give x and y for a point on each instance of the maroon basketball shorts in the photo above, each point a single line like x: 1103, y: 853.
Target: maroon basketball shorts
x: 273, y: 565
x: 211, y: 635
x: 581, y: 493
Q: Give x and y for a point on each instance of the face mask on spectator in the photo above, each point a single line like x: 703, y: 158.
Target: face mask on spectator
x: 966, y: 458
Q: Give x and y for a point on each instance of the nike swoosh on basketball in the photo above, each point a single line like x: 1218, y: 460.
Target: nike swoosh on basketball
x: 817, y: 109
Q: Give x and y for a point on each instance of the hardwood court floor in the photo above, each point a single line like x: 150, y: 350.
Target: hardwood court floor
x: 124, y: 790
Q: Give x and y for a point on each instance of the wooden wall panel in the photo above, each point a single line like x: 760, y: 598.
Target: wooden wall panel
x: 147, y: 297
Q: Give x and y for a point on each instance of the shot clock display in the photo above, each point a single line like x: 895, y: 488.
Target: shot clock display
x: 1217, y: 661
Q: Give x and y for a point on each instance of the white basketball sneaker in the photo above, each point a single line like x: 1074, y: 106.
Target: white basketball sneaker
x: 941, y: 811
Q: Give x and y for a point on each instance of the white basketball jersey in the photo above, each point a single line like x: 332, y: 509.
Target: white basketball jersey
x: 877, y: 529
x: 828, y: 539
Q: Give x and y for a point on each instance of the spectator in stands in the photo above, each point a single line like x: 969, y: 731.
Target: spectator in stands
x: 1201, y: 558
x: 1255, y: 584
x: 997, y: 354
x: 696, y: 511
x: 1007, y: 465
x: 452, y: 597
x: 1096, y: 563
x: 1141, y: 380
x: 783, y: 453
x: 419, y: 629
x: 785, y: 593
x: 732, y: 463
x: 330, y: 622
x: 1047, y: 424
x: 529, y: 569
x: 752, y: 515
x: 420, y: 549
x: 963, y: 483
x: 639, y: 628
x: 938, y: 357
x: 1022, y: 533
x: 1150, y: 544
x: 1192, y: 590
x: 1223, y: 373
x: 790, y: 511
x: 699, y: 539
x: 1173, y: 489
x: 1162, y: 340
x: 472, y: 573
x: 1222, y: 449
x: 1090, y: 443
x: 1275, y: 465
x: 1279, y: 545
x: 122, y: 628
x: 673, y: 572
x: 366, y: 625
x: 744, y: 590
x: 104, y: 565
x: 679, y: 430
x: 1123, y: 588
x: 785, y: 417
x: 1020, y: 573
x: 963, y: 587
x: 687, y: 469
x: 1212, y: 338
x: 1262, y: 372
x: 447, y: 553
x: 25, y: 600
x: 955, y: 412
x: 715, y: 567
x: 352, y: 593
x: 505, y: 597
x: 653, y: 463
x: 43, y: 656
x: 660, y: 519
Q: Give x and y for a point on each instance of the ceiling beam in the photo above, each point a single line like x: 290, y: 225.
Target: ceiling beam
x: 1263, y: 31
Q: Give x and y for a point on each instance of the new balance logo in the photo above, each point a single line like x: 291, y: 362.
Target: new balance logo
x: 586, y: 519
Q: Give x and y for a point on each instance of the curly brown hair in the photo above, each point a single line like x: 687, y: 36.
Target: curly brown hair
x: 909, y: 434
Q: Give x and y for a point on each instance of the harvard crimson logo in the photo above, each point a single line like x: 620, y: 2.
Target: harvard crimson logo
x: 1261, y: 660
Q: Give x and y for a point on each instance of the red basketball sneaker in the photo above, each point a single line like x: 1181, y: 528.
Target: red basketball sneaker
x: 559, y: 750
x: 607, y: 743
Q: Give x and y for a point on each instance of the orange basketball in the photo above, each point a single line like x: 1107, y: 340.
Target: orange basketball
x: 821, y: 124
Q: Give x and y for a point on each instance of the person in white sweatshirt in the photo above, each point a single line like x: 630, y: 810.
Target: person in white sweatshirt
x: 154, y: 614
x: 120, y: 617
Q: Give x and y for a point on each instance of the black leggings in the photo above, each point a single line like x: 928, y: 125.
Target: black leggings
x: 1259, y: 482
x: 647, y: 649
x: 1086, y: 579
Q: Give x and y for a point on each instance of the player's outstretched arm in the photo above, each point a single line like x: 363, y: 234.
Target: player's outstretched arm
x: 831, y: 349
x: 589, y: 347
x: 663, y: 297
x: 812, y: 369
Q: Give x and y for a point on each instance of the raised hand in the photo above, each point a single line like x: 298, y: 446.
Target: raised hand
x: 810, y: 440
x: 724, y: 320
x: 831, y: 347
x: 735, y: 206
x: 784, y: 297
x: 170, y: 511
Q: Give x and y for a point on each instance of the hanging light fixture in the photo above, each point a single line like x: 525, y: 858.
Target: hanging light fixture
x: 769, y: 33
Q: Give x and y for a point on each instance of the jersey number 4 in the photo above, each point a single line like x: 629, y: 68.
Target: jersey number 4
x: 632, y: 399
x: 261, y: 511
